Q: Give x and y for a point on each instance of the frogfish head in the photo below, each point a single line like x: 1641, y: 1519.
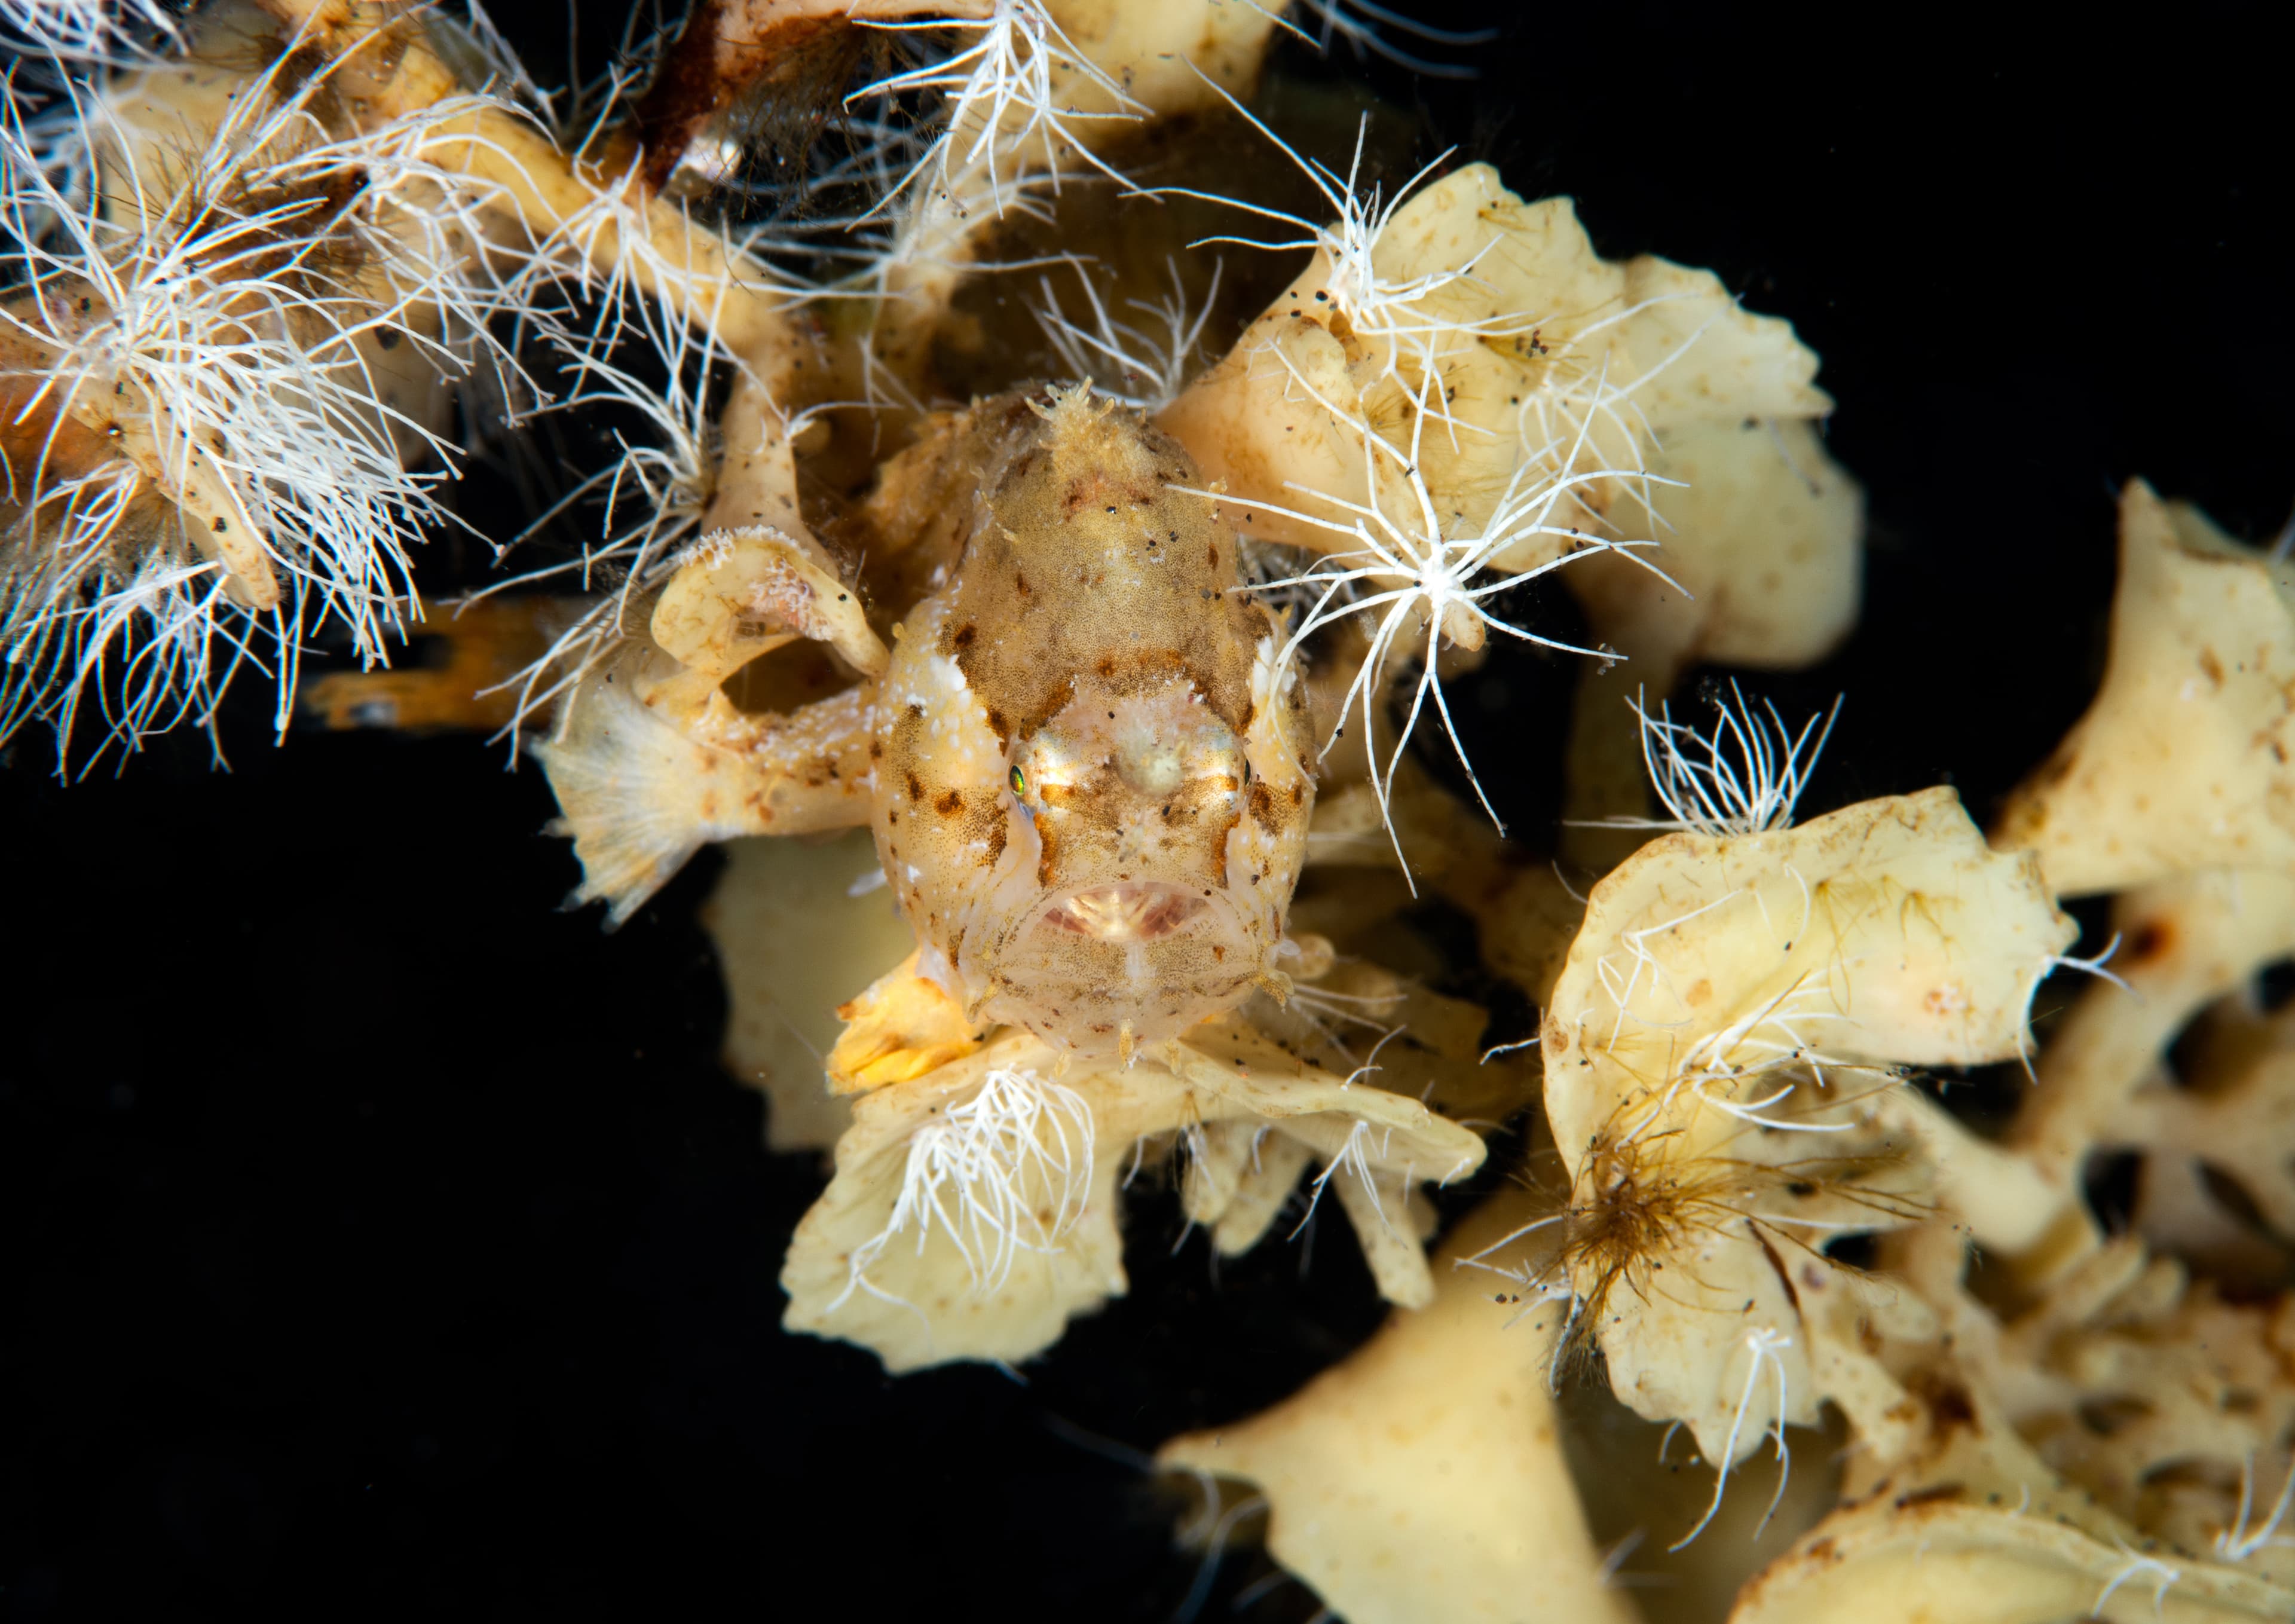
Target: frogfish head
x: 1091, y: 801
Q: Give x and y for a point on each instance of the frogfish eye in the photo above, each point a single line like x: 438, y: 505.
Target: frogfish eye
x: 1019, y: 782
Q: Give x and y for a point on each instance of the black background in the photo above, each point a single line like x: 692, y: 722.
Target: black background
x: 378, y: 1239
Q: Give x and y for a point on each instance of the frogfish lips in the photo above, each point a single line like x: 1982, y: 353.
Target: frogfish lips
x: 1099, y: 968
x: 1126, y: 911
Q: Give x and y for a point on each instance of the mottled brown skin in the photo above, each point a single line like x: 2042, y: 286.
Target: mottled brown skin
x: 1092, y: 799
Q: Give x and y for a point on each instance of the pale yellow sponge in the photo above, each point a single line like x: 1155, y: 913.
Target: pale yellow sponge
x: 1423, y: 1477
x: 1717, y: 1057
x: 975, y: 1208
x: 1482, y: 342
x: 2182, y: 760
x: 798, y: 925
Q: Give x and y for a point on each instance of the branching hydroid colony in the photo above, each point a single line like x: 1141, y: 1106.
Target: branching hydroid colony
x: 208, y: 434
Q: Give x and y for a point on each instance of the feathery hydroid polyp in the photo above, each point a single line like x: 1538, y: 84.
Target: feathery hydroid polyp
x: 1763, y: 1345
x: 1379, y: 308
x: 2238, y: 1542
x: 2241, y: 1542
x: 1001, y: 100
x: 1572, y: 394
x: 211, y: 324
x: 2165, y: 1578
x: 1363, y: 37
x: 669, y: 482
x: 1456, y: 300
x: 609, y: 240
x: 52, y: 134
x: 1007, y: 1172
x: 1128, y: 363
x: 1410, y: 576
x: 1324, y: 1011
x: 1743, y: 777
x: 1352, y: 1158
x: 87, y: 31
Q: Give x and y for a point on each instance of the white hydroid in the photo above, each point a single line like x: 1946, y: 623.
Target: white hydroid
x: 218, y: 366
